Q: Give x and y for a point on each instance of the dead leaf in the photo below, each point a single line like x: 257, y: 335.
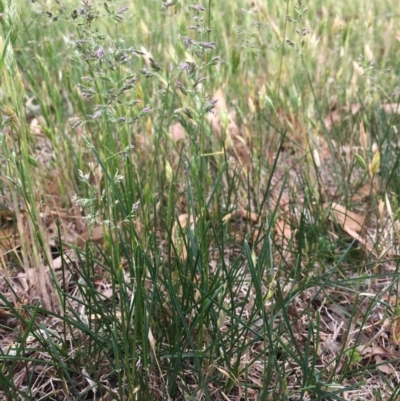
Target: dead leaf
x: 337, y: 115
x: 7, y: 216
x: 8, y: 240
x: 283, y: 229
x: 350, y: 222
x: 23, y: 280
x: 363, y: 193
x: 395, y: 331
x: 256, y: 237
x: 385, y: 368
x: 56, y: 185
x: 245, y: 214
x: 391, y: 108
x: 4, y: 314
x: 37, y: 125
x: 353, y: 108
x: 142, y: 142
x: 236, y: 232
x: 214, y: 118
x: 177, y: 132
x: 240, y: 148
x: 358, y: 238
x: 284, y: 232
x: 225, y: 128
x: 221, y: 104
x: 346, y: 218
x: 178, y: 230
x: 331, y: 120
x: 370, y: 351
x: 95, y: 235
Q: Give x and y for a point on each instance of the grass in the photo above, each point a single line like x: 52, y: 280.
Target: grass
x: 199, y: 202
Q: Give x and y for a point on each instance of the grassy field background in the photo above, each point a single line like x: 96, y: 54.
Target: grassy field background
x: 199, y: 201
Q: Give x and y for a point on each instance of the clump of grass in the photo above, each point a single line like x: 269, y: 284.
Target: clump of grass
x: 140, y: 265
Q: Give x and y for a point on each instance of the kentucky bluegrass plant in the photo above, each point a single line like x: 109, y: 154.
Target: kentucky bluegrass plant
x: 182, y: 212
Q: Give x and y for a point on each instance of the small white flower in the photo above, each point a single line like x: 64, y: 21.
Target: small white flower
x: 83, y: 177
x: 118, y: 178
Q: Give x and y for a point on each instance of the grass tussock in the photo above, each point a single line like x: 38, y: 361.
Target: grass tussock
x: 199, y: 201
